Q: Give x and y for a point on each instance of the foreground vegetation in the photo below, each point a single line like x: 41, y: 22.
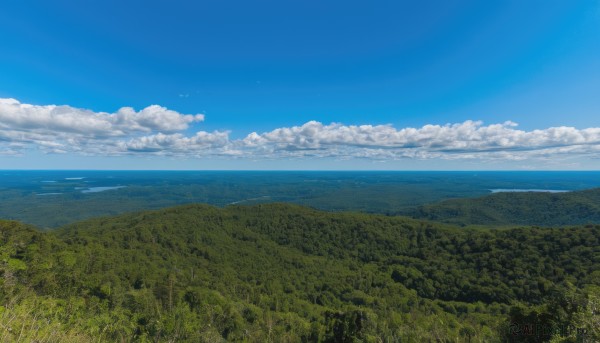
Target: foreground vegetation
x: 285, y: 273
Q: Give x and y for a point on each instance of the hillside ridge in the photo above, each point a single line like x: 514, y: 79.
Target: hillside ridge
x: 284, y: 272
x: 517, y: 208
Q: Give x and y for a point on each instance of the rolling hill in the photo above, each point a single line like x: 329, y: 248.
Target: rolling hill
x: 285, y: 273
x: 517, y: 208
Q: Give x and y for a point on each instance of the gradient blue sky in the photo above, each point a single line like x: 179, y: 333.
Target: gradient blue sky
x: 256, y: 66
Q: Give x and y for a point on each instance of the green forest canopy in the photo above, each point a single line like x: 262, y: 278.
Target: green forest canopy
x: 280, y: 272
x: 517, y: 208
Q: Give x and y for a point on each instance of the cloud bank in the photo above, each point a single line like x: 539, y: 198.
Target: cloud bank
x: 156, y: 130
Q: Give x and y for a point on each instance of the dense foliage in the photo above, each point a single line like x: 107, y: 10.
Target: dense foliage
x: 519, y: 208
x: 285, y: 273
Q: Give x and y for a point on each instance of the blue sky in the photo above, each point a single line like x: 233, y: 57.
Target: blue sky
x: 300, y: 84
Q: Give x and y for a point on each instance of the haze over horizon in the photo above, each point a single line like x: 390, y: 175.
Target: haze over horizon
x: 267, y: 85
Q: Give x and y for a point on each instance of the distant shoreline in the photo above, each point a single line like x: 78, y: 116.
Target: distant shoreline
x: 517, y: 190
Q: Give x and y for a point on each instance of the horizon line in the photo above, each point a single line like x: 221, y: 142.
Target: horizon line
x: 308, y: 170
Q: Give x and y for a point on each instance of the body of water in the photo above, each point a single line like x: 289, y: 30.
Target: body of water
x: 513, y: 190
x: 99, y: 189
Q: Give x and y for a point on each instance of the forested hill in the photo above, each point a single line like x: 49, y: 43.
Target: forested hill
x: 285, y: 273
x: 518, y: 208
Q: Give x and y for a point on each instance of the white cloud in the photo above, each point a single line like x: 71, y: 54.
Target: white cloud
x: 52, y: 119
x: 467, y: 140
x: 153, y: 118
x: 177, y: 144
x: 157, y: 130
x: 60, y: 129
